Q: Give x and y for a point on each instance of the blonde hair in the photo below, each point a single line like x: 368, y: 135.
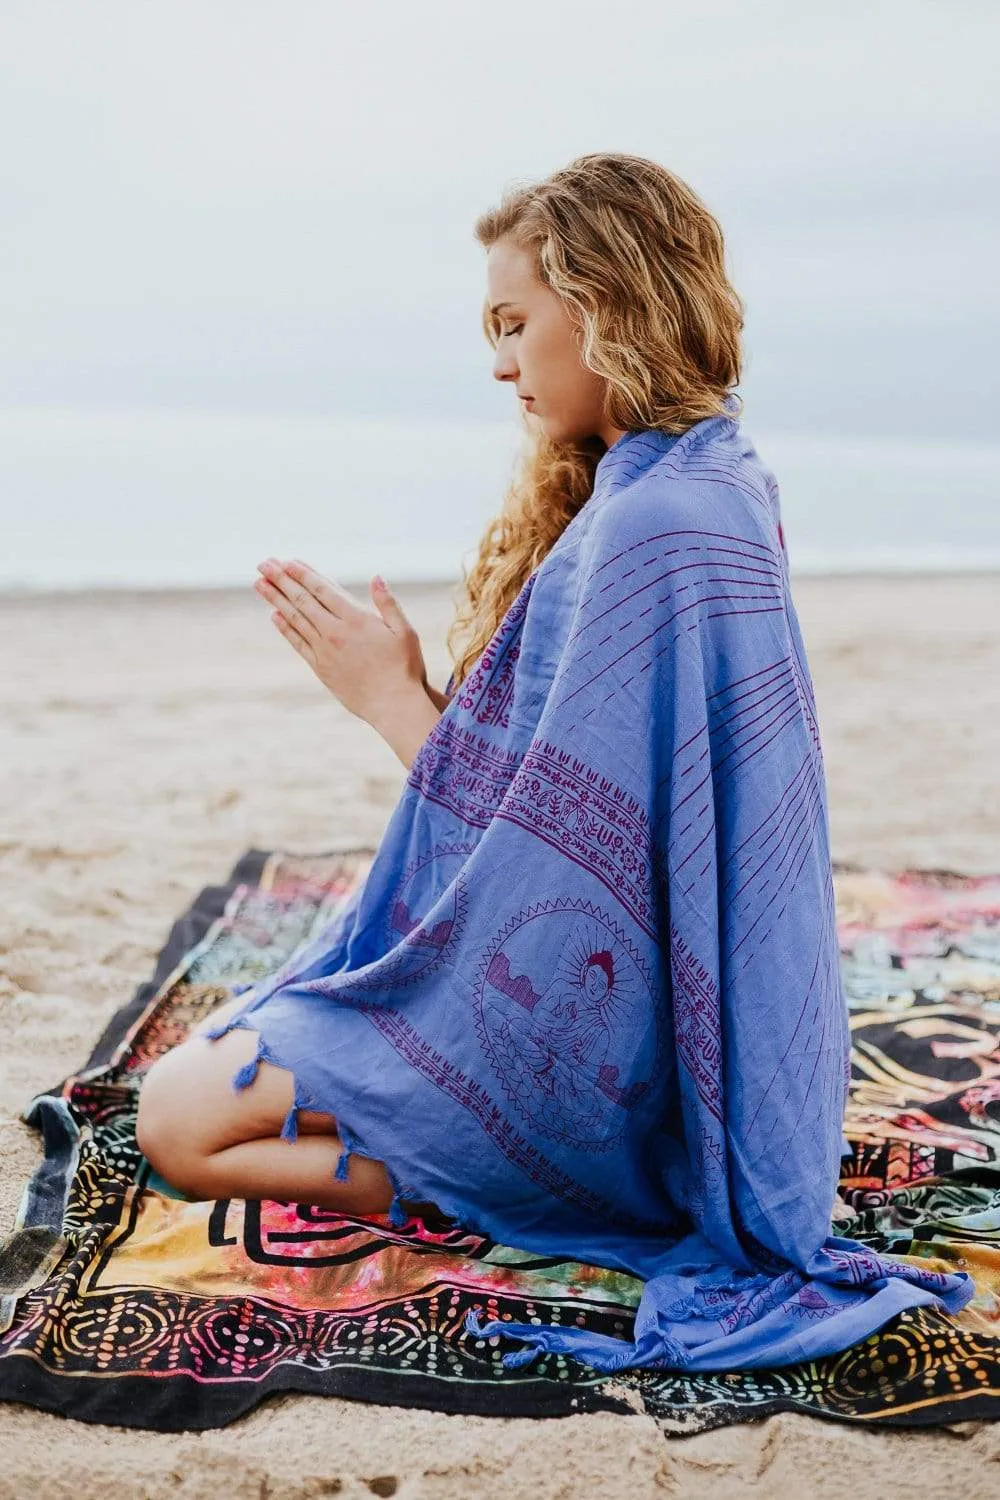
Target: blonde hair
x: 639, y: 261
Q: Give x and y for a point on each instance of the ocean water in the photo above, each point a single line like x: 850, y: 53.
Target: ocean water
x: 145, y: 499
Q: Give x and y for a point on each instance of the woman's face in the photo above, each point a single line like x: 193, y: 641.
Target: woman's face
x: 539, y: 350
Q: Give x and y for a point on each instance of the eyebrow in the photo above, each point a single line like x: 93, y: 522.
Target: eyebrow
x: 497, y: 306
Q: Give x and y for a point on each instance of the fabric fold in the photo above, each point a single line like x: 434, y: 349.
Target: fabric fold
x: 589, y: 998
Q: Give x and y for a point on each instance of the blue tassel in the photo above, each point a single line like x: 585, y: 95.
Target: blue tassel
x: 521, y: 1356
x: 214, y: 1032
x: 290, y: 1129
x: 397, y: 1213
x: 673, y: 1356
x: 341, y: 1173
x: 598, y: 1350
x: 516, y: 1357
x: 244, y: 1076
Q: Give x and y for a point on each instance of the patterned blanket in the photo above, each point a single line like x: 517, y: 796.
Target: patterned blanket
x: 201, y: 1309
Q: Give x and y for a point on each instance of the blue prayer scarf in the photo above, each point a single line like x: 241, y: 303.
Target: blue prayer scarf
x: 588, y: 999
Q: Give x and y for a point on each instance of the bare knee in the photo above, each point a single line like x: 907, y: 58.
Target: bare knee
x: 172, y: 1099
x: 189, y: 1109
x: 164, y: 1104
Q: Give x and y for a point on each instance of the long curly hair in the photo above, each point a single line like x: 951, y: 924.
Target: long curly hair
x: 639, y: 261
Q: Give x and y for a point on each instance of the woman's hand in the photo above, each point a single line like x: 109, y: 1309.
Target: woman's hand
x: 369, y: 661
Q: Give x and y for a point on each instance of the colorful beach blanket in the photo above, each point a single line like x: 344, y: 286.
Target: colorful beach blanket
x: 123, y: 1302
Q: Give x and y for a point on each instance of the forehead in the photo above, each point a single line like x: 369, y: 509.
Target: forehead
x: 510, y: 274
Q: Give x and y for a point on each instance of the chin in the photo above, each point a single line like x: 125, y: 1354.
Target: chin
x: 554, y: 430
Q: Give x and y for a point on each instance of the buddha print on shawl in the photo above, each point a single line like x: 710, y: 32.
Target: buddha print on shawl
x: 588, y: 1000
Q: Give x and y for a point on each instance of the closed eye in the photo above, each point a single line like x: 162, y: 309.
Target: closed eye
x: 509, y: 331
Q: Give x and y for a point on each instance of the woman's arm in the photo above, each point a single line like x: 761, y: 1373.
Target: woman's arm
x: 406, y: 721
x: 440, y: 700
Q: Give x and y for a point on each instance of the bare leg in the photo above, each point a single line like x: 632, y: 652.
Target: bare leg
x: 213, y: 1142
x: 296, y: 1171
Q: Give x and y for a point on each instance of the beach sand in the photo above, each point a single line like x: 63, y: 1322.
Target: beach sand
x: 150, y: 738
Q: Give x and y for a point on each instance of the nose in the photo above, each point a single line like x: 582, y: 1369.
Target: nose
x: 504, y: 365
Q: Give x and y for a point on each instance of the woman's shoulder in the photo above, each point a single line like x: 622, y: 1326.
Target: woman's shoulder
x: 713, y: 488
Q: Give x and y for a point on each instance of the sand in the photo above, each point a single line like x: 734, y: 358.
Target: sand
x: 148, y: 739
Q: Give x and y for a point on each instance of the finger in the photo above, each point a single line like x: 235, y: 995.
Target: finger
x: 278, y: 576
x: 300, y: 643
x: 275, y: 576
x: 331, y: 595
x: 306, y: 598
x: 300, y: 618
x: 388, y: 605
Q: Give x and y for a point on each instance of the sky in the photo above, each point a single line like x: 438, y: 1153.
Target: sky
x: 234, y: 206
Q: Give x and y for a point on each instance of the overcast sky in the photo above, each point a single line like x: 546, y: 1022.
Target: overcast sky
x: 239, y: 206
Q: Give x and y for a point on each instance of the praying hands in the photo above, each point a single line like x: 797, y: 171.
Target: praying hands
x: 373, y: 663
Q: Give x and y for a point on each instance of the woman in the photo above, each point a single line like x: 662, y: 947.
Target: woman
x: 588, y: 999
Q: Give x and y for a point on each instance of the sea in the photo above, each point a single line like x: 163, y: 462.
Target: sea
x: 153, y: 499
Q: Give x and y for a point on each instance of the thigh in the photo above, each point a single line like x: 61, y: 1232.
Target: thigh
x: 188, y: 1101
x: 309, y: 1120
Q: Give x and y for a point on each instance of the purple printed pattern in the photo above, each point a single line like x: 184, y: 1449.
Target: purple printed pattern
x: 697, y: 1023
x: 747, y: 1307
x: 431, y: 882
x: 487, y: 691
x: 438, y: 1070
x: 561, y: 1029
x: 803, y: 1056
x: 744, y: 720
x: 862, y: 1266
x: 809, y: 1304
x: 590, y: 819
x: 463, y: 771
x: 807, y: 698
x: 761, y: 869
x: 755, y: 485
x: 566, y: 803
x: 656, y: 590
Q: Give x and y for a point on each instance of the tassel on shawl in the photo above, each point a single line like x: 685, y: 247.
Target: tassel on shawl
x: 595, y: 1349
x: 244, y: 1076
x: 349, y: 1145
x: 397, y: 1213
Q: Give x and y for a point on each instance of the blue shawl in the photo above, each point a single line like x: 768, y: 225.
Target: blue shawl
x: 588, y: 999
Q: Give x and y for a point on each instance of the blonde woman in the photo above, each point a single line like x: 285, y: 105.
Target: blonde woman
x: 588, y: 999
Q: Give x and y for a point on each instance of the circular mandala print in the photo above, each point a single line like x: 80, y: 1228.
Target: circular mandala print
x: 425, y: 913
x: 567, y: 1018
